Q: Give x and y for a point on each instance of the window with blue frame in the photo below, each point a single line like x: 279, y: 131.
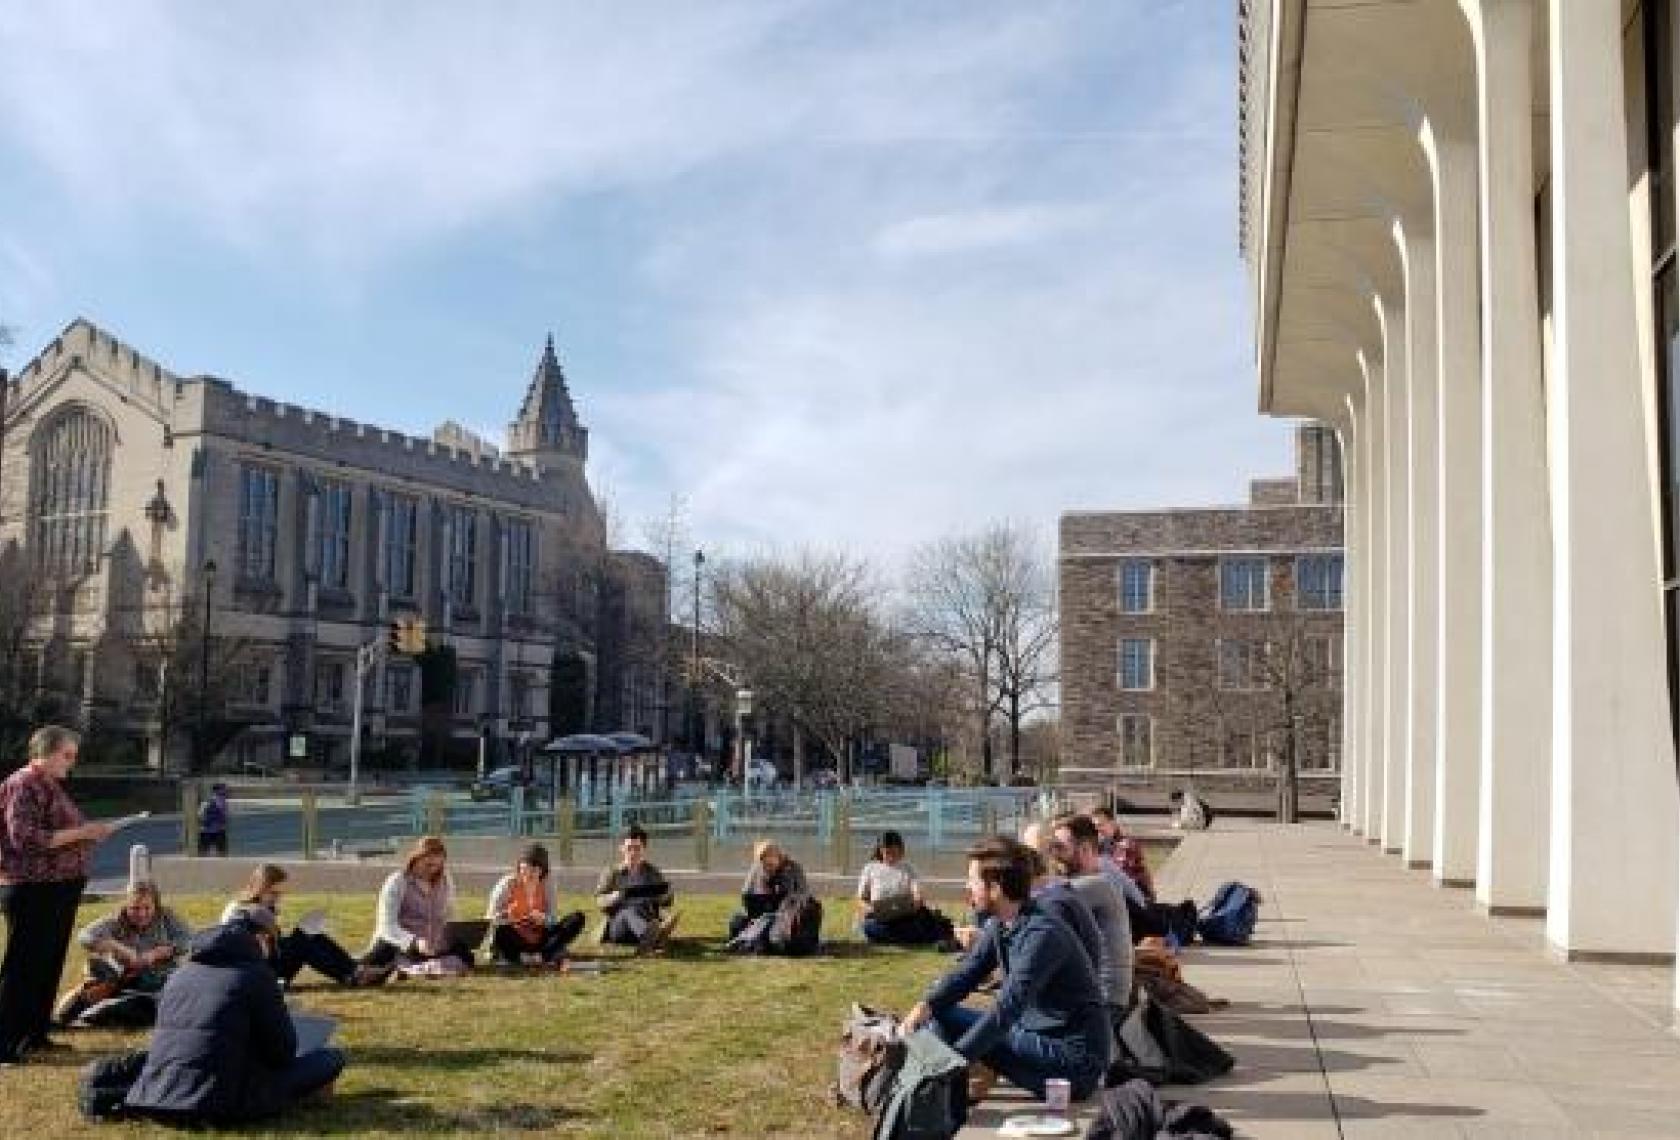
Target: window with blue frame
x: 1137, y: 586
x: 1318, y: 582
x: 1242, y: 583
x: 1137, y: 663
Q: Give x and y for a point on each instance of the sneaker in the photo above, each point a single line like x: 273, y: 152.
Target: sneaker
x: 366, y: 975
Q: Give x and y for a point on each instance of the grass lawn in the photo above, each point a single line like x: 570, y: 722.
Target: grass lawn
x: 695, y: 1043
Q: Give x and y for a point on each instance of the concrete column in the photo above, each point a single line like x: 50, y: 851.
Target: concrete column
x: 1451, y: 157
x: 1353, y: 622
x: 1516, y: 538
x: 1374, y: 574
x: 1397, y: 655
x: 1611, y: 886
x: 1416, y: 245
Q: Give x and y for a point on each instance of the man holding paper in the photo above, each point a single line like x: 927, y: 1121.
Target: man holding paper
x: 631, y: 895
x: 45, y: 842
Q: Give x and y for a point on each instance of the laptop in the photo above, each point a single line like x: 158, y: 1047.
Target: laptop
x: 313, y: 1031
x: 893, y: 906
x: 468, y: 932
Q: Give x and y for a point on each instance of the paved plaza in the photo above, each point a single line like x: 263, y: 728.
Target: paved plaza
x: 1373, y: 1004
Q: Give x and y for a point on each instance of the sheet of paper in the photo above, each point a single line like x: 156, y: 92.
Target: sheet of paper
x: 313, y: 922
x: 313, y: 1030
x: 127, y: 820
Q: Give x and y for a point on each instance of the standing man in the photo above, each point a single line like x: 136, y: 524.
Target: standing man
x: 44, y: 846
x: 213, y: 822
x: 631, y: 895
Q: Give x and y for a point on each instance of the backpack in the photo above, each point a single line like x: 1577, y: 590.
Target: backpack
x: 1159, y: 1046
x: 871, y: 1053
x: 796, y: 929
x: 102, y: 1088
x: 928, y: 1097
x: 1228, y: 920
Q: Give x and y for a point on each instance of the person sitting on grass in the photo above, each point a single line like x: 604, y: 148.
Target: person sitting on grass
x: 890, y: 906
x: 526, y: 925
x: 130, y: 954
x: 632, y: 894
x: 1190, y: 811
x: 1048, y: 1019
x: 289, y: 953
x: 772, y: 878
x: 416, y: 906
x: 1124, y: 851
x: 225, y: 1050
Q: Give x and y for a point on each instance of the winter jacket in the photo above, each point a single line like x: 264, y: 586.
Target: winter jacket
x: 762, y: 893
x: 1057, y: 899
x: 224, y: 1037
x: 1049, y: 987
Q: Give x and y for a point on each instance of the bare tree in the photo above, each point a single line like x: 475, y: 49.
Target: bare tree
x: 1280, y: 695
x: 24, y: 603
x: 985, y: 601
x: 808, y: 637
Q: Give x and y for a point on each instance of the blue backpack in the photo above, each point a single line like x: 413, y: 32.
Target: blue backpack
x: 1228, y: 920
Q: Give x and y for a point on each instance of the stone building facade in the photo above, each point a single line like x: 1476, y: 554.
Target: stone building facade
x: 170, y: 523
x: 1196, y: 643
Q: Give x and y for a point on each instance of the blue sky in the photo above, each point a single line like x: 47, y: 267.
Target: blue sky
x: 845, y: 274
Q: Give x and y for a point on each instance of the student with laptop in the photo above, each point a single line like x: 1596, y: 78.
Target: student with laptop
x: 414, y: 923
x: 890, y: 906
x: 526, y: 925
x: 632, y: 895
x: 306, y: 944
x: 225, y: 1050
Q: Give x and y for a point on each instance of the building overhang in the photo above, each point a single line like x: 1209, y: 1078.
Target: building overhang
x: 1333, y: 159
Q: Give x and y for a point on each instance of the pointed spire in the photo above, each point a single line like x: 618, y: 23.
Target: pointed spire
x: 548, y: 423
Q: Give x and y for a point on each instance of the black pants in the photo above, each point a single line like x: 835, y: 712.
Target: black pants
x: 209, y: 841
x: 383, y: 953
x: 298, y: 949
x: 508, y: 945
x: 39, y: 919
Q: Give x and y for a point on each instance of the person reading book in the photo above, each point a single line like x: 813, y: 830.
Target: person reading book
x: 632, y: 895
x: 130, y: 954
x: 305, y: 944
x: 526, y: 925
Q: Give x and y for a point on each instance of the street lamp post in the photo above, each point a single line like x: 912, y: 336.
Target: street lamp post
x: 208, y: 577
x: 698, y: 728
x: 743, y: 746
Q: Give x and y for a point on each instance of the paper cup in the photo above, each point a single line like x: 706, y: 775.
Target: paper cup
x: 1058, y: 1094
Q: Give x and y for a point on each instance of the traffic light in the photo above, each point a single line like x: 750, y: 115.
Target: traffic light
x: 408, y: 635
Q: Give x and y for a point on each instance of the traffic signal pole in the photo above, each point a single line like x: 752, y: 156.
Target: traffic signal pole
x: 366, y: 658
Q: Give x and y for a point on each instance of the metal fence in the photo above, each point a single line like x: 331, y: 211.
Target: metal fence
x: 830, y: 830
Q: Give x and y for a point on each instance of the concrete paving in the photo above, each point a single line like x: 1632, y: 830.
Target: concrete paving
x: 1373, y: 1004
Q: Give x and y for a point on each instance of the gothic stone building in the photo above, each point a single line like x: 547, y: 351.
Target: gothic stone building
x: 169, y: 522
x: 1196, y: 642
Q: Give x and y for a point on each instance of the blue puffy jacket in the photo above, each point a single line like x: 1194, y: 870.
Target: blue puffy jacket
x: 224, y: 1037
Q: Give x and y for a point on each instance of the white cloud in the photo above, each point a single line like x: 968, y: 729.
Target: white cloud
x: 972, y: 230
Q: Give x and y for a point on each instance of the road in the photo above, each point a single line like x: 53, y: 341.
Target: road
x: 265, y: 830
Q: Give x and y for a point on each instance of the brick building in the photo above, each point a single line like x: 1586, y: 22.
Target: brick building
x: 1196, y: 642
x: 179, y: 535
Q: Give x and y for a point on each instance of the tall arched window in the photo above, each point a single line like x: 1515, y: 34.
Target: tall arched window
x: 70, y: 465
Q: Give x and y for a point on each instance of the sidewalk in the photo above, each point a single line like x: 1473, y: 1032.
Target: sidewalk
x: 1373, y: 1004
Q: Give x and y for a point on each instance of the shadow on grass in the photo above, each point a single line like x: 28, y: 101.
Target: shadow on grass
x: 429, y: 1057
x: 713, y: 950
x: 405, y: 1115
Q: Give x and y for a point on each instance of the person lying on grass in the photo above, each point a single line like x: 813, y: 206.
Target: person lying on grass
x: 289, y: 953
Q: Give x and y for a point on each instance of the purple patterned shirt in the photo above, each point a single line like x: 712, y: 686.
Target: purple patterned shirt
x: 33, y: 805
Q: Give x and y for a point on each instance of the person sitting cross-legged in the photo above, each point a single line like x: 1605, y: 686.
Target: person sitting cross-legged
x: 526, y: 925
x: 772, y: 880
x: 416, y: 906
x: 225, y: 1049
x: 632, y: 894
x: 891, y: 909
x: 1048, y: 1020
x: 130, y: 956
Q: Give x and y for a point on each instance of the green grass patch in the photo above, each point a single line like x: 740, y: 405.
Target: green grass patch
x: 693, y: 1043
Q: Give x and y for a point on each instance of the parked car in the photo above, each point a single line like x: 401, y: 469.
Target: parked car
x: 496, y: 785
x: 761, y: 773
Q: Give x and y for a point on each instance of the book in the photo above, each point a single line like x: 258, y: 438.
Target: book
x: 313, y: 1030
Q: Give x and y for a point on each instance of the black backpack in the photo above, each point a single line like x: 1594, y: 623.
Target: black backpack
x: 796, y: 929
x: 102, y: 1088
x: 871, y: 1053
x: 928, y: 1098
x: 1159, y: 1046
